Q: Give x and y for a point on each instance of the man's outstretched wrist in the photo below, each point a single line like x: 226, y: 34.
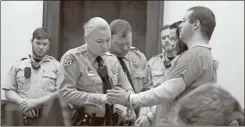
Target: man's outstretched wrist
x: 127, y: 103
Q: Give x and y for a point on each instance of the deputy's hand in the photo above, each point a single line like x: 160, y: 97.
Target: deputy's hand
x: 30, y: 113
x: 104, y: 99
x: 117, y: 96
x: 29, y: 104
x: 143, y: 120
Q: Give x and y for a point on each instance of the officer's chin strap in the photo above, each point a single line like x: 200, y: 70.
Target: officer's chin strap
x: 34, y: 64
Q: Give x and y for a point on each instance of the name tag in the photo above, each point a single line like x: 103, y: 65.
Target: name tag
x: 90, y: 72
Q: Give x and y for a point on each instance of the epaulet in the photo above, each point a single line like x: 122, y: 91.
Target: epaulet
x: 133, y: 48
x: 160, y: 55
x: 76, y: 50
x: 108, y: 54
x: 52, y: 58
x: 23, y: 59
x: 81, y: 49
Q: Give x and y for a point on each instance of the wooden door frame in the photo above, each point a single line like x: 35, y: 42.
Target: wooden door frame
x: 155, y: 9
x: 51, y: 21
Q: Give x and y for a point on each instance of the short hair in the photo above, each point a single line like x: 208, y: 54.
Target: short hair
x: 210, y: 104
x: 206, y: 18
x: 181, y: 46
x: 164, y: 27
x: 40, y: 33
x: 120, y: 26
x: 175, y: 24
x: 95, y: 23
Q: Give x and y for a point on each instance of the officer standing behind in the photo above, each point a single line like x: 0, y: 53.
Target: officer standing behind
x: 133, y: 61
x: 81, y: 84
x: 160, y: 63
x: 31, y: 80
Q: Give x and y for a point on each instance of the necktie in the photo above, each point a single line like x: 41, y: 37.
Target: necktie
x: 125, y: 69
x: 100, y: 61
x: 103, y: 73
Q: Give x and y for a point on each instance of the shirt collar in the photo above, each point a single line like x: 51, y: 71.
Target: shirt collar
x: 44, y: 59
x: 91, y: 57
x: 126, y: 57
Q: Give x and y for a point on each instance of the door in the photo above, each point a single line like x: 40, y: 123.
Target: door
x: 64, y: 21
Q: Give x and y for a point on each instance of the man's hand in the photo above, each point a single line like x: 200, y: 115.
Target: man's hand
x: 143, y: 120
x: 124, y: 114
x: 29, y: 104
x: 30, y: 113
x: 129, y: 114
x: 117, y: 95
x: 105, y: 100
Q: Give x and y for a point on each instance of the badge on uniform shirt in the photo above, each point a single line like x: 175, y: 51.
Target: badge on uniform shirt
x: 90, y: 72
x: 136, y: 65
x: 27, y: 72
x: 67, y: 60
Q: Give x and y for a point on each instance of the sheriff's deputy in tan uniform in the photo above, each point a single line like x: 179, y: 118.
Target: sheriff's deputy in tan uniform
x: 160, y: 63
x: 31, y: 80
x: 81, y: 86
x: 133, y: 61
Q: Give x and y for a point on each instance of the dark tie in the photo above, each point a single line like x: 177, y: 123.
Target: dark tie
x: 125, y: 69
x: 103, y: 73
x: 100, y: 61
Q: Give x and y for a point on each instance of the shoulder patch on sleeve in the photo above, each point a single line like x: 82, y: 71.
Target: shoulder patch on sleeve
x: 133, y: 48
x: 67, y: 60
x: 50, y: 57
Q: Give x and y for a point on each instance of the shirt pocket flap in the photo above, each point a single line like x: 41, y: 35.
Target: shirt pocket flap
x: 138, y: 74
x: 51, y: 75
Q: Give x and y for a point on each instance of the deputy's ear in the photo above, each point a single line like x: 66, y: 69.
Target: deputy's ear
x: 234, y: 123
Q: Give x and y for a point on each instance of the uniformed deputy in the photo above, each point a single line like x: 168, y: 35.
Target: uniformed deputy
x: 81, y: 86
x: 31, y: 80
x: 160, y: 63
x: 133, y: 62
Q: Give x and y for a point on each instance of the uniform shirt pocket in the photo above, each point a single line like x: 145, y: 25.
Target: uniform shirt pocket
x: 22, y: 82
x: 90, y: 82
x: 138, y: 74
x: 138, y: 78
x: 48, y: 81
